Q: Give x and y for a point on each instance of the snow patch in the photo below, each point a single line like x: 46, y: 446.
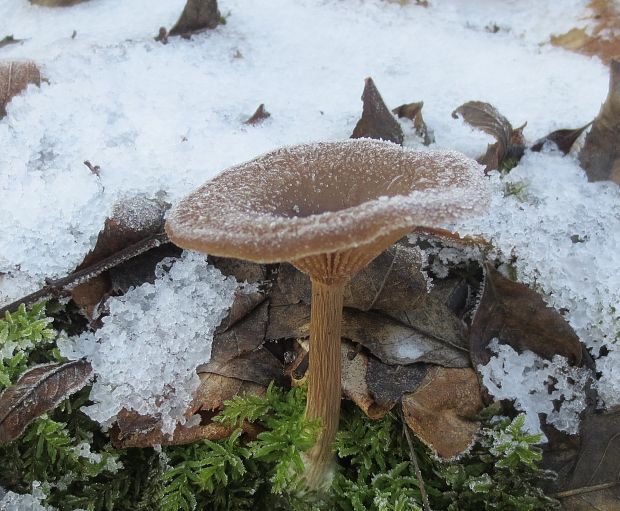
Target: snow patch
x: 146, y: 353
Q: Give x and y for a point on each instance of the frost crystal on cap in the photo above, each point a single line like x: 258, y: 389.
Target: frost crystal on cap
x: 325, y: 197
x: 146, y: 353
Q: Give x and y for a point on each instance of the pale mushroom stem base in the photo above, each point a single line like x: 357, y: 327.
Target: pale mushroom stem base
x: 324, y: 387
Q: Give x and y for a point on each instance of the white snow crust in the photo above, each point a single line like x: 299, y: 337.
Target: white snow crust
x: 168, y: 117
x: 145, y: 355
x: 11, y: 501
x: 533, y: 383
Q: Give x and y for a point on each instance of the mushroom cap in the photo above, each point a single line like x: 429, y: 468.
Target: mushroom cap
x: 325, y: 197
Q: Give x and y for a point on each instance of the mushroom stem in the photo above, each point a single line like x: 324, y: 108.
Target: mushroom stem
x: 324, y: 386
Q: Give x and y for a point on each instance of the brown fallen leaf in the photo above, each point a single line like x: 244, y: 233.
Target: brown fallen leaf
x: 391, y: 282
x: 258, y: 116
x: 377, y: 121
x: 14, y: 78
x: 245, y: 336
x: 259, y: 366
x: 9, y: 39
x: 134, y: 430
x: 215, y: 389
x: 389, y: 340
x: 197, y: 15
x: 600, y: 155
x: 37, y: 391
x: 132, y: 220
x: 243, y: 271
x: 354, y: 386
x: 563, y: 139
x: 600, y: 38
x: 509, y: 146
x: 413, y: 111
x: 387, y: 383
x: 439, y: 412
x: 518, y: 316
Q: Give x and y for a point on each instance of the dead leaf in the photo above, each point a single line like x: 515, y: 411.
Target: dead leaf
x: 14, y: 78
x: 215, y: 389
x: 243, y: 304
x: 518, y: 316
x: 387, y: 339
x: 134, y: 430
x: 132, y: 220
x: 439, y: 412
x: 9, y: 39
x: 37, y: 391
x: 377, y: 121
x: 243, y: 271
x: 387, y: 383
x: 354, y: 386
x: 600, y: 155
x: 258, y: 116
x: 392, y: 282
x: 259, y: 366
x: 563, y: 139
x: 245, y: 336
x: 600, y: 37
x: 413, y: 111
x: 197, y: 15
x: 509, y: 142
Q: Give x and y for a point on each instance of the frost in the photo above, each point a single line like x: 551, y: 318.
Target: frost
x: 146, y: 353
x: 10, y: 501
x: 534, y: 384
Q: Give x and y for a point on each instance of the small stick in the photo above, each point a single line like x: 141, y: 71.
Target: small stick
x: 585, y: 489
x: 418, y: 474
x: 56, y: 288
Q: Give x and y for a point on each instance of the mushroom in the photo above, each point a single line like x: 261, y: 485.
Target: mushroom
x: 329, y: 208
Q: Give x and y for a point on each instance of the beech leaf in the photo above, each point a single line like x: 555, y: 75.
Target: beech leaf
x: 377, y: 121
x: 37, y: 391
x: 563, y: 139
x: 14, y: 78
x: 485, y: 117
x: 518, y: 316
x: 197, y: 15
x: 413, y: 111
x: 600, y: 155
x: 439, y: 412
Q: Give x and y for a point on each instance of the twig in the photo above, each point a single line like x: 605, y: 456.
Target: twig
x: 585, y: 489
x: 57, y: 288
x: 418, y: 474
x: 95, y: 169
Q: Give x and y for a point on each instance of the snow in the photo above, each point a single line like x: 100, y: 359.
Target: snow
x: 534, y: 383
x: 168, y: 117
x: 11, y: 501
x: 145, y: 355
x: 563, y: 239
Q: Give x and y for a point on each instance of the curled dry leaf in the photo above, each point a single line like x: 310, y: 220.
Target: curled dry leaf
x: 215, y: 389
x: 14, y: 78
x: 377, y: 121
x: 197, y: 15
x: 258, y: 116
x: 260, y: 366
x: 243, y: 271
x: 439, y: 412
x: 518, y: 316
x: 600, y: 155
x: 387, y: 383
x: 37, y: 391
x: 392, y: 282
x: 563, y: 139
x: 509, y: 143
x: 413, y: 111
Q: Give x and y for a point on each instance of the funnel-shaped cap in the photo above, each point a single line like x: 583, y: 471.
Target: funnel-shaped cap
x: 325, y: 197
